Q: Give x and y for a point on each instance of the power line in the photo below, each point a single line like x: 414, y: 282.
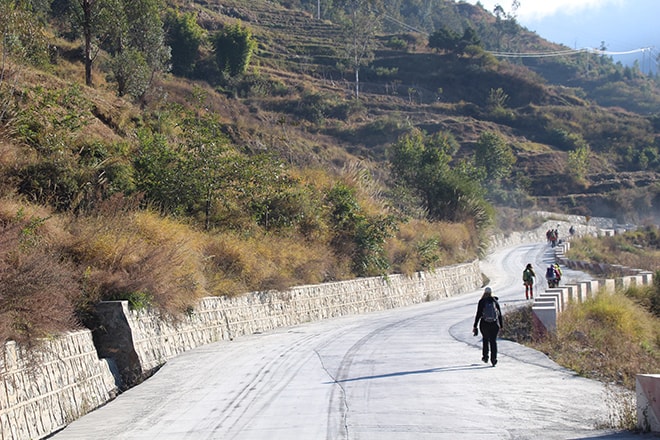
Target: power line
x: 405, y: 25
x: 566, y: 52
x: 557, y: 53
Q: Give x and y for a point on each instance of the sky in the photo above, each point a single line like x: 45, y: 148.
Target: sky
x: 624, y: 25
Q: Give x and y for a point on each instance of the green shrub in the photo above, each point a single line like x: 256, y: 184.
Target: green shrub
x: 234, y: 46
x: 357, y: 235
x: 396, y: 43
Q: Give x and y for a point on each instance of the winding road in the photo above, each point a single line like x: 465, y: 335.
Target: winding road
x: 409, y: 373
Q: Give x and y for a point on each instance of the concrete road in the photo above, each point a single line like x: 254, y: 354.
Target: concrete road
x: 410, y: 373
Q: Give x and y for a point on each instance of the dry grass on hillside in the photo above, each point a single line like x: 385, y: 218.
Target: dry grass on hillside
x: 37, y: 289
x: 420, y: 244
x: 638, y: 249
x: 55, y: 267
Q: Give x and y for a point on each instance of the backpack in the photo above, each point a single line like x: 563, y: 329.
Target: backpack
x: 550, y: 273
x: 527, y: 275
x: 490, y: 313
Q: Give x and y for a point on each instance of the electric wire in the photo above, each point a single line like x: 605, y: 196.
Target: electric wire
x: 567, y: 52
x: 556, y: 53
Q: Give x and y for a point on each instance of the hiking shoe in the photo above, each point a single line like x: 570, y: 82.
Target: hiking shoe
x: 485, y: 359
x: 494, y: 362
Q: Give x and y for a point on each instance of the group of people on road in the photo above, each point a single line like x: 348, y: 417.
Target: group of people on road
x: 552, y: 276
x: 488, y: 319
x: 552, y: 235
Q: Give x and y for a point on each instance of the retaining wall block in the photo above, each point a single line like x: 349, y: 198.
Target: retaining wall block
x: 622, y: 283
x: 43, y: 389
x: 647, y: 278
x: 648, y: 402
x: 558, y: 293
x: 570, y: 292
x: 607, y: 285
x: 545, y: 318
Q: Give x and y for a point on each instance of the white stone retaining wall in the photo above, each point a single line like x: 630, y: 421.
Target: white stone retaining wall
x: 151, y: 341
x: 48, y: 387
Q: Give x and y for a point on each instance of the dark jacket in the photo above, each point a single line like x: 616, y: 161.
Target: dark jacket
x: 480, y: 310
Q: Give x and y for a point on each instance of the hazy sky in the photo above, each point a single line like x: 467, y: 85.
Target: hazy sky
x: 623, y: 25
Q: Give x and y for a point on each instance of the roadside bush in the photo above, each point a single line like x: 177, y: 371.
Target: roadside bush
x: 37, y: 289
x: 420, y: 245
x: 130, y: 254
x: 608, y: 338
x: 234, y: 265
x: 638, y: 249
x: 357, y: 235
x: 647, y: 296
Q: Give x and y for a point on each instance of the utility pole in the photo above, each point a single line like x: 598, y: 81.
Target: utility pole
x: 318, y: 9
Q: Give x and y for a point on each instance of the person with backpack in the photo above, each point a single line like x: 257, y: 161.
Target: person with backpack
x: 489, y: 320
x: 551, y: 276
x: 528, y: 280
x: 558, y: 272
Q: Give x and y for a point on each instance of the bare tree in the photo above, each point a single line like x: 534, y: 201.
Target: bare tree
x: 360, y: 23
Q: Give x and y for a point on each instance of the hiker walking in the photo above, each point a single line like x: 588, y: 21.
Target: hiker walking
x: 552, y: 276
x: 558, y: 271
x: 528, y: 280
x: 489, y: 320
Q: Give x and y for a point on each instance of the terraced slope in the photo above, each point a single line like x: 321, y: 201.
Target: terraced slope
x: 310, y: 97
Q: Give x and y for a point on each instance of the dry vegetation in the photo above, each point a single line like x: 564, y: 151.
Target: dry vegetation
x: 75, y: 231
x: 638, y: 249
x: 54, y: 267
x: 610, y: 338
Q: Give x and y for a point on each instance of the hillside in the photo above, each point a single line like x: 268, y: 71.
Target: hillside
x: 549, y: 106
x: 160, y: 186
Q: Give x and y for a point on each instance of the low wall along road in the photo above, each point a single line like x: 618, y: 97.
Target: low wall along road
x: 44, y: 390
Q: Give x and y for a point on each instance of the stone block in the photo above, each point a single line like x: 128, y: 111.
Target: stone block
x: 636, y: 280
x: 647, y: 278
x: 648, y: 402
x: 570, y: 292
x: 592, y: 287
x: 623, y: 282
x: 583, y: 288
x: 607, y: 285
x: 558, y: 293
x: 545, y: 301
x: 545, y: 318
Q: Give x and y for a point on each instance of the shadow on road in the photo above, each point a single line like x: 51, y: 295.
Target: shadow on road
x: 624, y: 435
x: 406, y: 373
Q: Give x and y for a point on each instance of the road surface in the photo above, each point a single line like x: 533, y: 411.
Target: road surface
x: 410, y: 373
